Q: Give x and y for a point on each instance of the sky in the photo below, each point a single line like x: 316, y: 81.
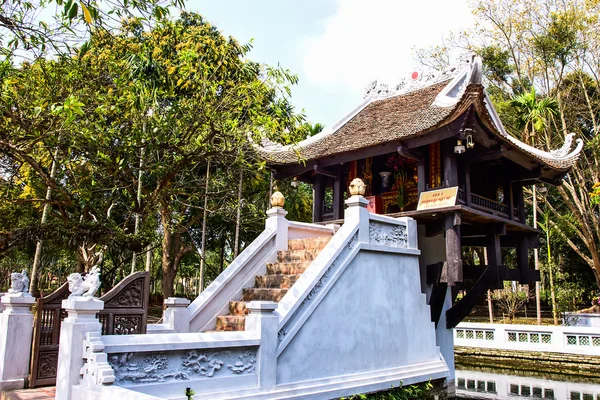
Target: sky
x: 336, y: 47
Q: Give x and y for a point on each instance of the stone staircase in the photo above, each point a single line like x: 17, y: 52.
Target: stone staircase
x: 280, y: 277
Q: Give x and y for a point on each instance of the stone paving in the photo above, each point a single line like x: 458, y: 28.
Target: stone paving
x: 47, y: 393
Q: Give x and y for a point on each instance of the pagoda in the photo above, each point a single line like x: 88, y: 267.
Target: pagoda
x: 435, y: 136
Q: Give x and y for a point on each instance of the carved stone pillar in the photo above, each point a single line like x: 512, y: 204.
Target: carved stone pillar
x: 276, y: 220
x: 16, y: 330
x: 81, y: 319
x: 176, y: 315
x: 262, y: 318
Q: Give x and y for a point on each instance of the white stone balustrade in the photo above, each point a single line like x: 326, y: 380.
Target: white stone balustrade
x: 176, y: 317
x: 16, y: 330
x: 543, y: 338
x: 80, y: 322
x: 243, y: 362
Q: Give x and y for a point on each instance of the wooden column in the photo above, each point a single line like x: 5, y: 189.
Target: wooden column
x: 468, y: 183
x: 454, y: 266
x: 338, y: 195
x: 519, y: 201
x: 523, y: 259
x: 511, y: 202
x: 318, y: 197
x: 449, y: 162
x: 494, y: 254
x: 421, y: 176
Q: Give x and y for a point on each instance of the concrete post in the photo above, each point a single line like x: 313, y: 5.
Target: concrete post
x: 262, y: 318
x: 276, y: 220
x: 176, y: 316
x: 357, y: 211
x: 81, y: 319
x: 16, y: 331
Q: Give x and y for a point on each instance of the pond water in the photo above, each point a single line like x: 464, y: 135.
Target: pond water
x: 504, y: 384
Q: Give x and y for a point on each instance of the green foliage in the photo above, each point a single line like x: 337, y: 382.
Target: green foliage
x: 189, y: 393
x: 496, y: 63
x: 26, y: 31
x: 411, y: 392
x: 140, y: 106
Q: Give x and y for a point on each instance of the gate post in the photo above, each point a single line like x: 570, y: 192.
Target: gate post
x: 16, y: 330
x: 81, y: 319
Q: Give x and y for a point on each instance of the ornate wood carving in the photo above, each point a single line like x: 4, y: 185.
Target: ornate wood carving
x: 46, y: 331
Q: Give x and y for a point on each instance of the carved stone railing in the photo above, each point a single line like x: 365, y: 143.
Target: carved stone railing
x: 361, y: 230
x: 214, y: 300
x: 204, y: 362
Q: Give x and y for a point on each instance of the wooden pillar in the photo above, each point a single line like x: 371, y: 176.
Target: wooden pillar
x: 509, y: 195
x: 422, y: 178
x: 318, y: 198
x: 494, y: 254
x: 454, y: 265
x: 338, y: 195
x: 519, y: 201
x: 523, y: 259
x: 449, y: 162
x: 468, y: 183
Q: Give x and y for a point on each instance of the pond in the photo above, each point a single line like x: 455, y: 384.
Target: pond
x: 505, y: 384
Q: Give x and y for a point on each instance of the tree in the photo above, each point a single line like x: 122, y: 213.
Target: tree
x: 555, y: 47
x: 22, y: 30
x: 205, y: 98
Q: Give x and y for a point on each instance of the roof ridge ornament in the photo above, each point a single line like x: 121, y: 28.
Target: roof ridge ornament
x: 418, y: 80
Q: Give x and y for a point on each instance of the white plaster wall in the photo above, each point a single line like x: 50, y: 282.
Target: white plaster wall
x: 433, y: 250
x: 374, y: 317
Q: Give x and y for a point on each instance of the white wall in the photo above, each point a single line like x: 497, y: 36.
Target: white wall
x: 374, y: 317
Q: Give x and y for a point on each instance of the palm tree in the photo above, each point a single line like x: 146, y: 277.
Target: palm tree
x: 314, y: 129
x: 532, y: 117
x: 532, y: 114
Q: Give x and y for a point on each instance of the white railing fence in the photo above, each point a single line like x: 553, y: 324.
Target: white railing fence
x: 557, y: 339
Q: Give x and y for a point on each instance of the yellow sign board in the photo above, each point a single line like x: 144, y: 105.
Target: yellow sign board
x: 437, y: 198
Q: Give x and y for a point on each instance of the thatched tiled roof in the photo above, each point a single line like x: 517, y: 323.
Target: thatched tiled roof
x: 410, y: 111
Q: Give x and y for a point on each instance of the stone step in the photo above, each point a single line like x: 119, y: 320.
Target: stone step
x: 238, y: 308
x: 263, y: 294
x: 296, y: 255
x: 291, y: 268
x: 231, y: 323
x: 314, y: 243
x: 276, y: 281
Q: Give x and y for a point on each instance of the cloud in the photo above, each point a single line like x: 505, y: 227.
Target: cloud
x: 373, y: 39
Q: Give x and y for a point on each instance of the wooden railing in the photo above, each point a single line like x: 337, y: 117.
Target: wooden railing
x: 484, y: 204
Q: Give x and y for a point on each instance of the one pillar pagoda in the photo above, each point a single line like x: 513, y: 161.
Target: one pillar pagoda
x: 438, y: 133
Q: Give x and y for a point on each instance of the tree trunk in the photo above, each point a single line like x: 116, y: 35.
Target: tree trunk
x: 138, y: 217
x: 37, y: 258
x: 236, y: 246
x: 168, y: 263
x: 204, y: 218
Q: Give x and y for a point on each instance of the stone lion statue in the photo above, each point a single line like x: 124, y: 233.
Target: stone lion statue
x: 84, y: 287
x: 19, y: 283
